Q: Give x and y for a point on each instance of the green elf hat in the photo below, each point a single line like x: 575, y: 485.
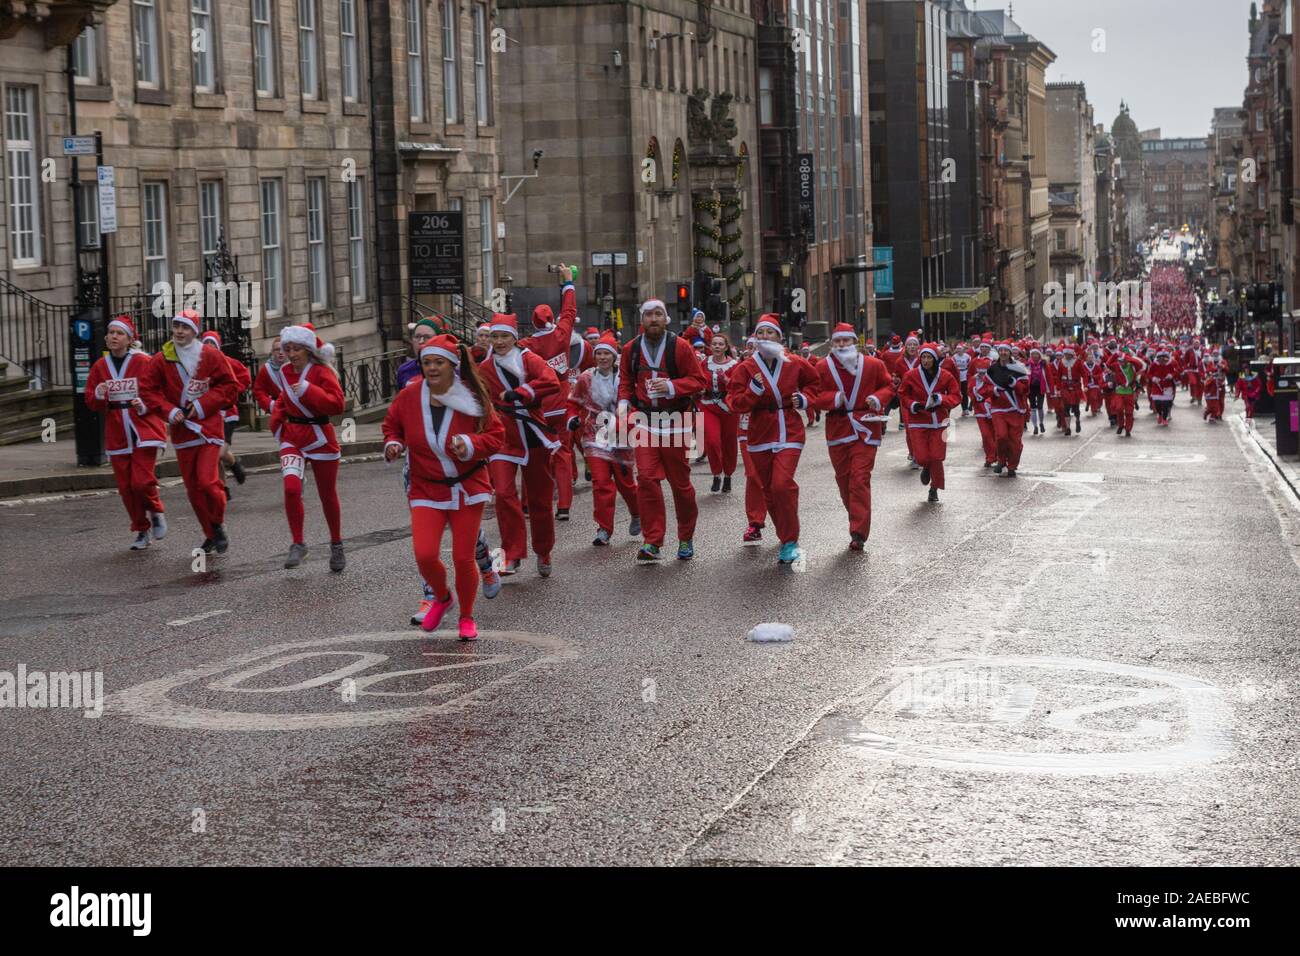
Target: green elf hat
x: 434, y: 323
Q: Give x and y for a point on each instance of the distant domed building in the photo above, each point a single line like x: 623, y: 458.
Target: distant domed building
x: 1128, y: 144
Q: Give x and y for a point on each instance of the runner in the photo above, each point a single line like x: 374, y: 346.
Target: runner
x: 190, y: 383
x: 593, y: 407
x: 755, y: 500
x: 1249, y: 388
x: 1008, y: 408
x: 1213, y: 385
x: 310, y: 394
x: 981, y: 388
x: 773, y: 386
x: 133, y: 432
x: 266, y: 386
x: 855, y: 390
x: 1039, y: 387
x: 1162, y: 377
x: 659, y: 378
x: 720, y: 445
x: 1126, y: 369
x: 446, y: 428
x: 230, y: 416
x: 929, y: 393
x: 1071, y: 382
x: 961, y: 359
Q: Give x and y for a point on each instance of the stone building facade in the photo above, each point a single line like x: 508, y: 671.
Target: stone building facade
x: 1072, y: 183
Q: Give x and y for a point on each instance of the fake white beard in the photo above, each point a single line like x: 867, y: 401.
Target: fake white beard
x: 460, y: 399
x: 512, y: 362
x: 771, y: 350
x: 604, y: 389
x: 189, y: 355
x: 848, y: 357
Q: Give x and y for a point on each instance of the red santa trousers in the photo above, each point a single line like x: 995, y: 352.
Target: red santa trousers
x: 137, y: 484
x: 853, y: 462
x: 755, y: 502
x: 198, y: 466
x: 539, y: 489
x: 326, y: 474
x: 1094, y: 401
x: 653, y: 466
x: 1126, y: 405
x: 609, y: 479
x: 1213, y: 408
x: 427, y: 525
x: 929, y: 447
x: 720, y: 445
x: 565, y: 470
x: 989, y: 439
x: 775, y: 470
x: 1008, y: 429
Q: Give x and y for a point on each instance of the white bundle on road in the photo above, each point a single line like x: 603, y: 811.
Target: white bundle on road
x: 771, y: 633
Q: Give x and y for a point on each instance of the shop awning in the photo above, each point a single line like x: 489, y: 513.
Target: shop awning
x: 957, y: 300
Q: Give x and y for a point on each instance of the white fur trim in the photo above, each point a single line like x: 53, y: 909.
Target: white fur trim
x: 187, y: 321
x: 649, y: 304
x: 451, y: 357
x: 298, y: 335
x: 460, y: 399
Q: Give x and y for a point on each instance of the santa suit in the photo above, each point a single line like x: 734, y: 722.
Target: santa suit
x: 961, y: 362
x: 243, y: 379
x: 1249, y: 391
x: 1191, y: 373
x: 198, y: 440
x: 719, y: 421
x: 593, y: 401
x: 1008, y: 409
x: 776, y: 429
x: 980, y: 388
x: 855, y: 402
x: 902, y: 364
x: 445, y: 490
x: 1162, y: 385
x: 1070, y: 382
x: 555, y: 344
x: 131, y: 438
x: 301, y: 423
x: 659, y: 446
x: 530, y: 441
x: 266, y: 388
x: 938, y: 394
x: 1127, y: 370
x: 1092, y: 379
x: 1213, y: 388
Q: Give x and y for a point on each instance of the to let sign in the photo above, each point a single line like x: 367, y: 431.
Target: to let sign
x: 436, y: 256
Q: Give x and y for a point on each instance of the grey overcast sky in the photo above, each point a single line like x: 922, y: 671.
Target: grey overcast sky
x: 1173, y: 61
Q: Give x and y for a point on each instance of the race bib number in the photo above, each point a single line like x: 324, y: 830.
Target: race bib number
x: 292, y: 465
x: 560, y: 363
x: 197, y: 388
x: 123, y: 389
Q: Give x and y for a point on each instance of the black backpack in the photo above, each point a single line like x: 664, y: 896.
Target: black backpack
x: 669, y: 358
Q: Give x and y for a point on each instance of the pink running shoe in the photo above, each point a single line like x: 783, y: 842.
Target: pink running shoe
x: 436, y: 610
x: 468, y: 629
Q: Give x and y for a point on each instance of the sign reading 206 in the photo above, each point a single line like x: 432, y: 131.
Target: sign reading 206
x: 436, y: 252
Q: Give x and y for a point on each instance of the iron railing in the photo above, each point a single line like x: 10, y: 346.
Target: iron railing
x: 34, y: 337
x: 372, y: 380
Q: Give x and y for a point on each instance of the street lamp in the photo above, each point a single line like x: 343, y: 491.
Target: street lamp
x: 749, y: 297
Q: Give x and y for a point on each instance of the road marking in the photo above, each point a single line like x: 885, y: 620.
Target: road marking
x: 1063, y: 477
x: 198, y: 617
x: 1151, y: 457
x: 321, y: 707
x: 929, y: 717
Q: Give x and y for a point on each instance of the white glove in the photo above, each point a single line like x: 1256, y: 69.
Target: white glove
x: 140, y: 406
x: 873, y: 402
x: 101, y: 390
x: 176, y: 415
x: 932, y: 401
x: 299, y: 387
x: 798, y: 401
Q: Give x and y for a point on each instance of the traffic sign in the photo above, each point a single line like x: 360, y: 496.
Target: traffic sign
x: 78, y: 146
x: 602, y: 258
x: 107, y: 199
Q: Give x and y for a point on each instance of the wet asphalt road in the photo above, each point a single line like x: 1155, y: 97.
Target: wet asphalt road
x: 1092, y: 664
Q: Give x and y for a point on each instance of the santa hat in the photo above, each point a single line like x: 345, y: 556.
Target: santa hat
x: 607, y: 343
x: 771, y: 320
x: 435, y: 324
x: 591, y: 333
x: 895, y: 340
x: 124, y: 323
x: 542, y: 316
x: 932, y: 349
x: 305, y: 336
x: 844, y: 329
x: 650, y: 305
x: 1004, y: 346
x: 189, y: 317
x: 444, y: 346
x: 913, y: 339
x: 484, y: 327
x: 504, y: 323
x: 213, y: 336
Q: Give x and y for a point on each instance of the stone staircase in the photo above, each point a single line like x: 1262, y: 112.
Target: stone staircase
x: 24, y: 411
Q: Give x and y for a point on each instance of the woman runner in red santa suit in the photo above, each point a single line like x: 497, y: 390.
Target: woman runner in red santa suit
x: 593, y: 407
x: 1213, y: 382
x: 523, y: 388
x: 1070, y: 383
x: 266, y: 386
x: 720, y: 445
x: 774, y: 386
x: 981, y: 388
x: 855, y: 391
x: 448, y: 428
x: 190, y: 383
x: 230, y: 416
x: 133, y: 432
x: 755, y: 502
x: 929, y: 393
x: 310, y: 395
x: 1008, y: 402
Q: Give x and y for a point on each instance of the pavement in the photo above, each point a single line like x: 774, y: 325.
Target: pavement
x: 1093, y: 663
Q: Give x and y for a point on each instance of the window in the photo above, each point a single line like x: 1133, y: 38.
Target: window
x: 154, y: 223
x: 1262, y: 194
x: 450, y: 68
x: 672, y: 63
x: 1060, y: 240
x: 348, y: 64
x: 85, y: 57
x: 744, y: 73
x: 272, y: 249
x: 415, y: 58
x: 357, y: 238
x: 485, y: 246
x: 20, y: 166
x: 1259, y: 121
x: 959, y: 61
x: 209, y: 215
x: 88, y: 216
x: 308, y: 51
x: 764, y: 95
x: 264, y: 65
x: 317, y: 250
x: 204, y: 37
x: 482, y: 79
x: 145, y: 23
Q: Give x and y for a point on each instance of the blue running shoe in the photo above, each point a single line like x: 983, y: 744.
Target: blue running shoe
x: 685, y: 550
x: 789, y: 552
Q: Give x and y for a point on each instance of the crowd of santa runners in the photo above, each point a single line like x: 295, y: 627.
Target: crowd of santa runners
x: 511, y: 419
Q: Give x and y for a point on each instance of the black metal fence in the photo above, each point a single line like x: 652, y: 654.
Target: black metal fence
x: 372, y: 380
x: 34, y: 337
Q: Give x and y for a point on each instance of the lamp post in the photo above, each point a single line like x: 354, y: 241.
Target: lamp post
x: 749, y: 300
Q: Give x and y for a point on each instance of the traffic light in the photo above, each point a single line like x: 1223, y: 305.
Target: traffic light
x: 684, y: 299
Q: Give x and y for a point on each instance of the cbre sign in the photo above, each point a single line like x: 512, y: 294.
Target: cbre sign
x: 436, y: 252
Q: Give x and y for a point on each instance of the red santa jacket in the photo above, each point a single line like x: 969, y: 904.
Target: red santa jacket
x: 917, y: 388
x: 767, y: 394
x: 716, y: 379
x: 1093, y: 376
x: 1008, y: 401
x: 597, y: 419
x: 1213, y: 374
x: 639, y: 363
x: 537, y: 393
x: 169, y: 388
x: 267, y: 387
x: 852, y: 399
x: 1072, y: 380
x: 440, y: 479
x: 302, y: 421
x: 552, y: 346
x: 1162, y: 380
x: 125, y: 428
x: 244, y: 378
